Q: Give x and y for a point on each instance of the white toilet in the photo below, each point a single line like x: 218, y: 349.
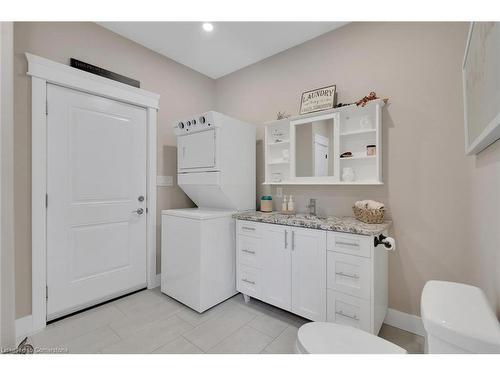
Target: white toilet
x: 332, y: 338
x: 458, y: 319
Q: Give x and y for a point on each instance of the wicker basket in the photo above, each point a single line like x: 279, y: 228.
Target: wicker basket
x: 368, y: 215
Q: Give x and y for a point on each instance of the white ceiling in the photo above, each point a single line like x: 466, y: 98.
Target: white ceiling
x: 229, y: 47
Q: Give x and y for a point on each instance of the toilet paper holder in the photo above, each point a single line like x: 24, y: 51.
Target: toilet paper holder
x: 380, y: 240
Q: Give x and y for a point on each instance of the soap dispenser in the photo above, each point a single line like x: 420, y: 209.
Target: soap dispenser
x: 290, y: 204
x: 284, y: 205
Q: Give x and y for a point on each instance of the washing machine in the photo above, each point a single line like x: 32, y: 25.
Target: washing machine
x: 216, y: 169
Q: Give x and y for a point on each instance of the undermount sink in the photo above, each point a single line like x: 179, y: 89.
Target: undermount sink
x: 306, y: 217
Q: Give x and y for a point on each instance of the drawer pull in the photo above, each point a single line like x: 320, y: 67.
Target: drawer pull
x: 248, y: 281
x: 352, y: 276
x: 346, y: 243
x: 247, y: 228
x: 248, y: 251
x: 341, y: 313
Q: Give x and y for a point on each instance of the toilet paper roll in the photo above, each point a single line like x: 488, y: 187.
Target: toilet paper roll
x: 390, y: 241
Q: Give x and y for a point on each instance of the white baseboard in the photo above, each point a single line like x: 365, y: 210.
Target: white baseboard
x: 24, y: 328
x: 405, y: 321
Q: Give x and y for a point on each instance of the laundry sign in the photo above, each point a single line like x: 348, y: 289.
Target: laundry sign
x: 318, y: 100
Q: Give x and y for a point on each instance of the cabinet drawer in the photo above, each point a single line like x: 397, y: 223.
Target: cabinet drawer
x: 349, y: 274
x: 349, y: 244
x: 248, y: 250
x: 248, y: 281
x: 248, y: 228
x: 348, y: 310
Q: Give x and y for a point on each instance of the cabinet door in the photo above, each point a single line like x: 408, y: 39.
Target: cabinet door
x: 309, y: 273
x: 276, y: 265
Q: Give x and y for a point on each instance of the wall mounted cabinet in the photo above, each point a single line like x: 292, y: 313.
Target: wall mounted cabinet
x: 306, y: 150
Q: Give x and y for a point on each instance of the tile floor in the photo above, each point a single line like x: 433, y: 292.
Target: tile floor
x: 151, y: 322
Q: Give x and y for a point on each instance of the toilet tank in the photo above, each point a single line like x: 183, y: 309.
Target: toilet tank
x: 458, y: 319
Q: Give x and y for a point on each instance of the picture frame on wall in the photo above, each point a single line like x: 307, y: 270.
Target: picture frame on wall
x: 319, y: 99
x: 481, y: 86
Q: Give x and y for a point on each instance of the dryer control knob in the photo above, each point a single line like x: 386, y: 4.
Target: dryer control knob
x: 180, y: 125
x: 202, y: 119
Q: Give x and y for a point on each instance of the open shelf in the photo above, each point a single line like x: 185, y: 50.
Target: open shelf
x: 360, y: 182
x: 278, y: 143
x: 357, y: 132
x: 360, y: 157
x: 278, y: 162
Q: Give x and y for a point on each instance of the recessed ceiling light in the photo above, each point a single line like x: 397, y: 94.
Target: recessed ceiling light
x: 207, y: 26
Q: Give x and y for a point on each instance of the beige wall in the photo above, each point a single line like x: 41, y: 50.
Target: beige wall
x: 426, y: 173
x: 183, y: 92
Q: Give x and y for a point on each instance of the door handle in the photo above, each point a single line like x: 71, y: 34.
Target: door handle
x: 293, y: 240
x: 286, y: 239
x: 139, y: 211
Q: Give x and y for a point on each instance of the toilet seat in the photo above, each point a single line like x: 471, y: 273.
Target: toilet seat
x: 332, y: 338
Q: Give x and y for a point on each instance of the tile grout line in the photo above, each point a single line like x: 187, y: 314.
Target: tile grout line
x: 192, y: 343
x: 223, y: 338
x: 261, y: 331
x: 281, y: 334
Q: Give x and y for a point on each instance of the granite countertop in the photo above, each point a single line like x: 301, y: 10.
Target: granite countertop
x: 345, y: 224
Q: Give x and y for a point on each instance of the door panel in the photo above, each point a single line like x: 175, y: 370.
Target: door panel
x: 96, y: 170
x: 309, y: 273
x: 276, y: 266
x: 320, y: 160
x: 196, y: 150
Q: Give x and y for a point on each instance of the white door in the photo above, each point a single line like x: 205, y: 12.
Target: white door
x: 309, y: 273
x: 276, y: 265
x: 196, y: 150
x: 96, y: 178
x: 320, y: 156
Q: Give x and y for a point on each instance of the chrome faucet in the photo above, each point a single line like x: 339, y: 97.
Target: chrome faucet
x: 312, y: 207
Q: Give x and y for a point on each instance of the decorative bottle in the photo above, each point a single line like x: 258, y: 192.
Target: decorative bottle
x: 290, y: 204
x: 284, y: 206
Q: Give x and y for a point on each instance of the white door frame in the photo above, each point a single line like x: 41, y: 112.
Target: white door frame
x: 42, y: 72
x: 7, y: 283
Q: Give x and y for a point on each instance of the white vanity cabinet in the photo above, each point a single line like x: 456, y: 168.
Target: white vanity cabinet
x: 317, y: 274
x: 284, y: 266
x: 309, y: 273
x: 357, y: 274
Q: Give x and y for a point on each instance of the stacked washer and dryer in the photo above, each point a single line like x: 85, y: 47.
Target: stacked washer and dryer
x: 216, y: 169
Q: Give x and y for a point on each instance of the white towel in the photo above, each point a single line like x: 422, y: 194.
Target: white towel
x: 374, y: 205
x: 360, y: 204
x: 370, y: 204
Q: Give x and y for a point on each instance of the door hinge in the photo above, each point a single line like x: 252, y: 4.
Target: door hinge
x: 46, y: 292
x: 46, y: 200
x: 46, y: 107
